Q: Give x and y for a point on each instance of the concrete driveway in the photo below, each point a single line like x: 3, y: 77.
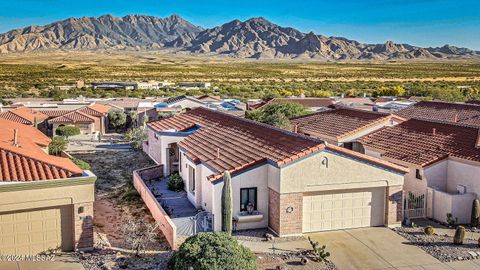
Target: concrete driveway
x: 376, y: 248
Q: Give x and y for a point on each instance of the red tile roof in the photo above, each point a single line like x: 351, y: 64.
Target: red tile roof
x: 27, y: 161
x: 241, y: 143
x: 72, y: 117
x: 24, y: 115
x: 55, y: 113
x: 338, y: 123
x: 96, y: 109
x: 423, y: 142
x: 443, y: 111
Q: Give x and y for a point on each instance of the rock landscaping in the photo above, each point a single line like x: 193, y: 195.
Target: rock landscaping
x: 105, y: 259
x: 292, y: 260
x: 441, y: 246
x: 259, y: 235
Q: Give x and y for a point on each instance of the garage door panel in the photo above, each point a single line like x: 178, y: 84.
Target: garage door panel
x: 33, y: 231
x: 343, y: 209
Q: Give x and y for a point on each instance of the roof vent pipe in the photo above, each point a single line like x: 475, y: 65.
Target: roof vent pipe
x: 434, y: 131
x: 15, y: 137
x: 218, y: 153
x: 295, y: 129
x: 455, y: 118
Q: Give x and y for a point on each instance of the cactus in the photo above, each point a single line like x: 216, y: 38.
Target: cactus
x: 459, y: 235
x: 319, y: 251
x: 304, y: 261
x: 429, y: 230
x: 227, y: 203
x: 475, y: 213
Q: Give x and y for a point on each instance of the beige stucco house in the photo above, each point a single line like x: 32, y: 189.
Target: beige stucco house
x: 46, y: 202
x: 444, y: 165
x: 284, y: 181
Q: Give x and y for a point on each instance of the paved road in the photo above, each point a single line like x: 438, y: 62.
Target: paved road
x: 379, y: 249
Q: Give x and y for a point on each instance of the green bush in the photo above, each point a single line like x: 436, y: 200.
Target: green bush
x: 212, y: 251
x: 80, y: 163
x: 67, y: 131
x: 57, y: 145
x: 175, y: 182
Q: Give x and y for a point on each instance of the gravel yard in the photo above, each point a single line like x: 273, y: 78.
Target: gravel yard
x: 258, y: 235
x: 291, y: 261
x: 441, y: 245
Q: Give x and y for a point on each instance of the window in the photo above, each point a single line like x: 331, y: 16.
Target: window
x: 248, y: 195
x: 83, y: 126
x: 417, y: 174
x: 191, y: 177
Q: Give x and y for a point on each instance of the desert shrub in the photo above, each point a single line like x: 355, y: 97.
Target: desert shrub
x: 136, y: 136
x: 80, y: 163
x: 117, y: 119
x: 57, y: 145
x: 212, y: 251
x: 175, y: 182
x: 67, y: 131
x: 429, y: 230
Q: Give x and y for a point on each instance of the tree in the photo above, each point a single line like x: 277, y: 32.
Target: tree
x: 57, y: 145
x: 136, y: 136
x: 117, y: 118
x: 67, y: 131
x: 278, y: 114
x: 213, y: 251
x: 227, y: 203
x: 139, y: 234
x: 279, y: 120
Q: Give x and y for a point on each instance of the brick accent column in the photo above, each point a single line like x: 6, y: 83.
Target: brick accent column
x: 285, y: 213
x: 394, y: 206
x: 83, y: 225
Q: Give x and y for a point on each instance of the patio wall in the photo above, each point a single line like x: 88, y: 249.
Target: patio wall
x: 459, y: 205
x: 163, y: 220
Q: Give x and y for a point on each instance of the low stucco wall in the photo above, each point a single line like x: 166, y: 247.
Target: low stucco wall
x: 163, y: 220
x: 459, y: 205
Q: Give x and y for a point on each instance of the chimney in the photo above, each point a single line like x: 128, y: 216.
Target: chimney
x: 455, y: 118
x: 15, y: 137
x: 218, y: 153
x: 434, y: 131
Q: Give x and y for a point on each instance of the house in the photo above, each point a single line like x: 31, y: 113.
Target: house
x: 26, y: 116
x: 46, y: 202
x: 314, y: 104
x: 91, y: 120
x: 184, y: 102
x: 114, y: 85
x: 363, y: 103
x: 443, y: 111
x: 342, y: 126
x: 194, y: 85
x: 443, y: 160
x: 288, y: 182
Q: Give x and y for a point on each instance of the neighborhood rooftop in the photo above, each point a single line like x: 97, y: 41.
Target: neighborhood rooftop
x: 23, y: 159
x: 225, y: 142
x: 424, y: 142
x: 443, y: 111
x: 339, y: 122
x: 24, y: 116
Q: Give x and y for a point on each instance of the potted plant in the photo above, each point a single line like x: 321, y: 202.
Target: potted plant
x: 250, y: 208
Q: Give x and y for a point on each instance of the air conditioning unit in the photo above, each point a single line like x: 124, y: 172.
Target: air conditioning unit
x: 461, y: 189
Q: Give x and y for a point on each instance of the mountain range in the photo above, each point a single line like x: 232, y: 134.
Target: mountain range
x: 255, y: 38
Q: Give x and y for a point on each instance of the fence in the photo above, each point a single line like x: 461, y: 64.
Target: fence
x: 442, y: 203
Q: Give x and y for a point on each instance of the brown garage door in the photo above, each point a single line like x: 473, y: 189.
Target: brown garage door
x: 33, y: 231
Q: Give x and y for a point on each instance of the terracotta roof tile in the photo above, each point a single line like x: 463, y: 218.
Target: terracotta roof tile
x: 72, y: 117
x: 443, y: 111
x: 338, y: 123
x: 24, y: 115
x: 27, y: 161
x: 96, y: 109
x: 241, y: 143
x: 423, y: 142
x: 55, y: 113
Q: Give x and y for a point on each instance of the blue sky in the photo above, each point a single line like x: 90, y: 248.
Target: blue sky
x: 420, y: 22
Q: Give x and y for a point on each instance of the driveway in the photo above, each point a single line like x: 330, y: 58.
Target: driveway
x: 380, y: 248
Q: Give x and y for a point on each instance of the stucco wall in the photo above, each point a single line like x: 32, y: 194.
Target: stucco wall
x: 157, y: 148
x: 436, y: 175
x: 328, y: 171
x: 459, y: 205
x: 463, y: 173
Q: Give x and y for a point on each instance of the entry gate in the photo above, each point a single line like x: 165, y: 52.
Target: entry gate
x: 415, y: 204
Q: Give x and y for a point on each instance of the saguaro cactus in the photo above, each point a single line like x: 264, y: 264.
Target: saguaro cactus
x: 227, y: 203
x: 475, y: 213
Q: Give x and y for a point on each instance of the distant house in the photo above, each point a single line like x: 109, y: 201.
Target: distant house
x: 342, y: 126
x: 281, y: 180
x: 91, y: 120
x: 46, y: 202
x: 26, y: 116
x: 363, y: 103
x: 314, y: 104
x: 444, y: 163
x: 194, y: 85
x: 114, y: 85
x: 461, y: 113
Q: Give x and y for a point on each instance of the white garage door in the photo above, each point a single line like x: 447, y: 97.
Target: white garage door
x: 31, y: 232
x: 344, y: 210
